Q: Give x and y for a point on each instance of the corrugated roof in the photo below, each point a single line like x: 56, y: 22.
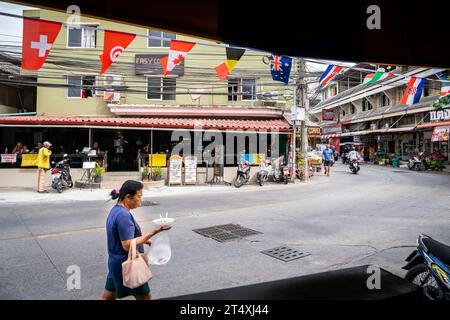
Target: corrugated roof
x: 176, y: 123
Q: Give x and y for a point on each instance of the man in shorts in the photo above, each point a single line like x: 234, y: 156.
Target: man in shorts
x: 328, y: 159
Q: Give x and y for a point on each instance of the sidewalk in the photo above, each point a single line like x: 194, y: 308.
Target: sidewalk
x: 29, y: 195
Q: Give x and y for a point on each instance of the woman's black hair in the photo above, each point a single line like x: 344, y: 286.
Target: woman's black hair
x: 129, y: 187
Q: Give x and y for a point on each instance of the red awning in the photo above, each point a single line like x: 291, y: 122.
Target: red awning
x: 166, y: 123
x: 434, y: 124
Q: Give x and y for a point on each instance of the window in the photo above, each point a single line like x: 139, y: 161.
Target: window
x: 366, y: 105
x: 233, y: 89
x: 241, y: 89
x: 248, y: 89
x: 353, y: 109
x: 161, y: 88
x: 80, y: 86
x: 159, y: 39
x: 83, y: 37
x: 426, y: 90
x: 384, y: 100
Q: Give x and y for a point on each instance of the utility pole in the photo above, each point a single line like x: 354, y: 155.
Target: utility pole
x: 305, y: 104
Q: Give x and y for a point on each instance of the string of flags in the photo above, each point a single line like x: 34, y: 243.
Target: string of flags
x: 40, y: 35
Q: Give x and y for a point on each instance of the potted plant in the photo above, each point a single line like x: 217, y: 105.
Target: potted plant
x: 145, y: 173
x: 98, y: 172
x: 157, y: 173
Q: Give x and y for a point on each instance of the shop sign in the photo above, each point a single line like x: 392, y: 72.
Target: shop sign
x: 440, y: 134
x: 332, y: 129
x: 175, y: 166
x: 157, y: 160
x: 327, y: 114
x: 29, y: 160
x: 314, y: 132
x: 9, y: 158
x: 190, y: 170
x: 440, y: 115
x: 150, y: 64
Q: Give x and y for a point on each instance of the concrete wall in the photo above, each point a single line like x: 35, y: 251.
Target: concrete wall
x: 27, y: 177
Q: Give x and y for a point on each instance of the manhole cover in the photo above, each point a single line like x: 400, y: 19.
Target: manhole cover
x: 226, y: 232
x: 285, y: 254
x: 148, y: 203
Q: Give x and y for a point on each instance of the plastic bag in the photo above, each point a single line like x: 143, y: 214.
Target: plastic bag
x: 160, y: 251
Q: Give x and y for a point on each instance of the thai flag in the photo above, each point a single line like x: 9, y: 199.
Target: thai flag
x: 329, y: 74
x: 413, y: 91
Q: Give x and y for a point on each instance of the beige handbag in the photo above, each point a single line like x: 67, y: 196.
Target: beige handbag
x: 135, y: 271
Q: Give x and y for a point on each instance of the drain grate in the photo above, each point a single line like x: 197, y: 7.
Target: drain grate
x: 226, y: 232
x: 400, y: 171
x: 285, y: 254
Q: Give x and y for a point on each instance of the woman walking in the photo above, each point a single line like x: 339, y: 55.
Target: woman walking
x: 121, y: 229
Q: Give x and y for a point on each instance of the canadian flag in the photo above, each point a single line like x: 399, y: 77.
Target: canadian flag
x: 178, y: 50
x: 115, y: 43
x: 38, y: 38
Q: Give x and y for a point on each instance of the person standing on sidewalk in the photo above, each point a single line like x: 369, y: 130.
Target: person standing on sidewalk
x: 43, y: 165
x: 121, y: 229
x: 328, y: 157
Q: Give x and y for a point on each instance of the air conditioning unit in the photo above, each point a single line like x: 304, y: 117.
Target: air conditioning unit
x: 268, y: 96
x: 387, y: 125
x: 373, y: 126
x: 111, y: 83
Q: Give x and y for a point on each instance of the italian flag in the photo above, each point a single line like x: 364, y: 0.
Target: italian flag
x: 374, y: 77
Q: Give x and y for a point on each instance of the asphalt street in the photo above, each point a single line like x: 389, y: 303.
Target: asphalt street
x: 341, y: 221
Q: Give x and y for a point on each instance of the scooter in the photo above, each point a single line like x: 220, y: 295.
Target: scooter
x: 274, y: 169
x: 429, y: 267
x: 61, y: 177
x: 243, y: 174
x: 354, y: 166
x: 415, y: 163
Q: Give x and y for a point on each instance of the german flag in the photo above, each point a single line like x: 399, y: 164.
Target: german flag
x: 233, y: 56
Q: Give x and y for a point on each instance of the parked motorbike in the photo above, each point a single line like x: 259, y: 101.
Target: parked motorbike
x: 415, y: 163
x: 354, y: 166
x: 344, y: 158
x: 243, y: 174
x: 429, y: 268
x: 61, y: 177
x: 273, y: 168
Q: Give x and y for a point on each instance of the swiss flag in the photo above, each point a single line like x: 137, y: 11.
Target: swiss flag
x: 38, y: 38
x: 115, y: 43
x: 178, y: 50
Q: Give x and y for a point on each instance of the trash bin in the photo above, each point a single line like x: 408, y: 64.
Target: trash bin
x: 394, y: 161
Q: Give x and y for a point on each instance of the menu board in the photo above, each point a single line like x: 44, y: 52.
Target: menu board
x: 175, y: 166
x: 190, y: 170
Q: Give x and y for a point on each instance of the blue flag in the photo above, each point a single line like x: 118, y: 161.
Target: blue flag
x: 280, y: 67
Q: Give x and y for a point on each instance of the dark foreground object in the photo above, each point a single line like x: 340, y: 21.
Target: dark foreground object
x: 334, y: 285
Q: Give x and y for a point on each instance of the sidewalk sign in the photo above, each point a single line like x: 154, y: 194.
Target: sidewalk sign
x: 175, y: 166
x: 9, y: 158
x: 29, y: 160
x: 190, y: 170
x: 157, y: 160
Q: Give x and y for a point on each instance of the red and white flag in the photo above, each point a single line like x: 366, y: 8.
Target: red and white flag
x: 178, y: 50
x: 115, y: 43
x: 38, y: 38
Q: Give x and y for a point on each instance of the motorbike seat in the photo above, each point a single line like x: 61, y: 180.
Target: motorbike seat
x: 438, y: 249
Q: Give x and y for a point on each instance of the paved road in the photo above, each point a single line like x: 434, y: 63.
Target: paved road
x: 343, y: 220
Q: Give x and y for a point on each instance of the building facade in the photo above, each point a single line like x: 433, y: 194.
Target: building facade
x: 373, y: 115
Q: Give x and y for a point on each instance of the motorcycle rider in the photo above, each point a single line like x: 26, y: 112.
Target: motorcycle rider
x: 353, y: 155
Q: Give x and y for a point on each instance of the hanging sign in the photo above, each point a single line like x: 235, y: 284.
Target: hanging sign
x: 190, y: 170
x: 175, y: 166
x: 29, y: 160
x: 327, y: 114
x: 9, y: 158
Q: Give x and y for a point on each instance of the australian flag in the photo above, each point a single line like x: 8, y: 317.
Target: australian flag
x: 280, y: 67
